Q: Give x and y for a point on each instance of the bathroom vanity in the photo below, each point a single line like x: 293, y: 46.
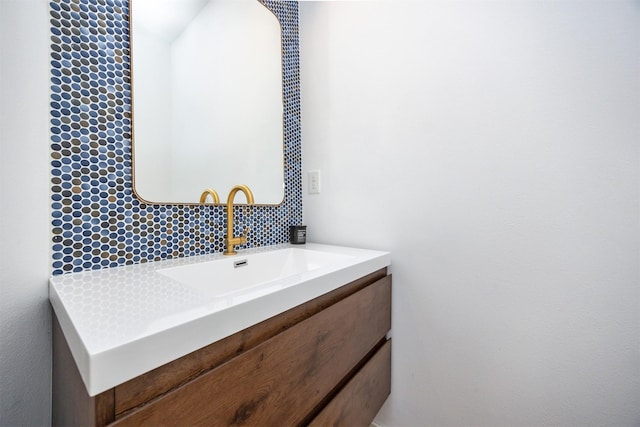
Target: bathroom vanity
x: 308, y: 346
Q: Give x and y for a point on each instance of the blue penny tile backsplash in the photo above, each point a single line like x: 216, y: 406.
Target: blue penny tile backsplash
x: 96, y: 219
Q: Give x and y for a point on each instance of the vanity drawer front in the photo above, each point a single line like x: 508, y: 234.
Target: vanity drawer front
x: 284, y: 379
x: 149, y: 386
x: 362, y: 397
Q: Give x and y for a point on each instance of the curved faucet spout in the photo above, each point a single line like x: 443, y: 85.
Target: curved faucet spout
x: 213, y: 193
x: 230, y: 240
x: 240, y: 187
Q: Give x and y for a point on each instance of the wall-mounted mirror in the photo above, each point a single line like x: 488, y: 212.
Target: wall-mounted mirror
x: 207, y: 99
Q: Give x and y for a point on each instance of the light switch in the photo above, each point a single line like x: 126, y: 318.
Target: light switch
x: 314, y: 182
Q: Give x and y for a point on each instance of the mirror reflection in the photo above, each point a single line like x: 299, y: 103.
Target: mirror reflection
x: 207, y: 99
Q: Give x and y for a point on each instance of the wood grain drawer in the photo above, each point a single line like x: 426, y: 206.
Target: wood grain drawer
x: 146, y: 387
x: 287, y: 377
x: 360, y: 399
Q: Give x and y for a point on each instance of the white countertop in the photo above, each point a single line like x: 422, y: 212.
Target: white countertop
x: 122, y: 322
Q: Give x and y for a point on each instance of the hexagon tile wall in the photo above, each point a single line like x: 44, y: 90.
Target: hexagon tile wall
x: 97, y: 221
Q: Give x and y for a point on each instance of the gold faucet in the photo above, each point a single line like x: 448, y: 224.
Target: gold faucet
x: 205, y: 193
x: 230, y: 241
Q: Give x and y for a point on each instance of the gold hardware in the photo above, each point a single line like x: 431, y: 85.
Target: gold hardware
x: 212, y: 192
x: 230, y: 241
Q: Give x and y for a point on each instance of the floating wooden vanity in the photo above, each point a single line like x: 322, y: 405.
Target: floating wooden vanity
x: 324, y: 362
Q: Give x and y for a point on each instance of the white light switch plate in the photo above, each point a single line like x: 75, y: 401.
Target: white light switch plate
x: 314, y: 182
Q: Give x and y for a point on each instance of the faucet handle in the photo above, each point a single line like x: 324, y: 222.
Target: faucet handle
x: 240, y: 240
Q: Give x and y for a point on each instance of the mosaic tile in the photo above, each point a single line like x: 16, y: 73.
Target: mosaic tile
x: 97, y: 221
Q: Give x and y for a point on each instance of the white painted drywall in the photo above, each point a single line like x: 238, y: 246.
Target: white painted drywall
x: 25, y: 317
x: 152, y: 114
x: 234, y: 94
x: 493, y: 147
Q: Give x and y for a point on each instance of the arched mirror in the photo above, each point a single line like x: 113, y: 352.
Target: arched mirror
x: 207, y: 99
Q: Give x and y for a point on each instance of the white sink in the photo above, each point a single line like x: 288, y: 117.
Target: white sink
x: 243, y: 274
x: 122, y: 322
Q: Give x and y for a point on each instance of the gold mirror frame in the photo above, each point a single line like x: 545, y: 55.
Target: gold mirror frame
x: 201, y: 192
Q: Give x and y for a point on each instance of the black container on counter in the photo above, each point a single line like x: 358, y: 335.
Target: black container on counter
x: 298, y: 234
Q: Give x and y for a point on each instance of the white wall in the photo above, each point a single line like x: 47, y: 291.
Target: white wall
x: 25, y: 349
x: 493, y: 148
x: 227, y: 78
x: 152, y: 109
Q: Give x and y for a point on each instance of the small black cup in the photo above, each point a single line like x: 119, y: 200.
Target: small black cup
x: 298, y: 234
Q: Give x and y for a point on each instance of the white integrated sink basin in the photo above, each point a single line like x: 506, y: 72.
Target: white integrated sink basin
x: 125, y: 321
x: 241, y: 274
